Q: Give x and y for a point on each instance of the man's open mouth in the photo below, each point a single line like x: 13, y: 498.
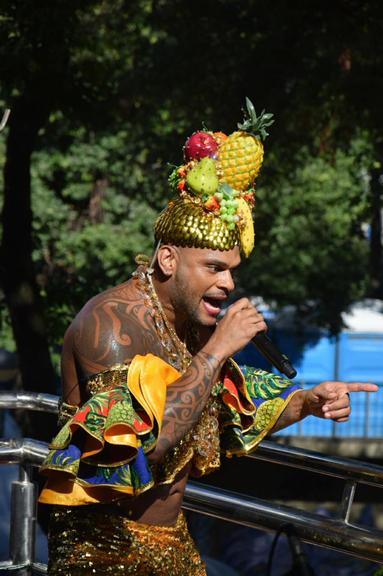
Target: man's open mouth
x: 213, y: 305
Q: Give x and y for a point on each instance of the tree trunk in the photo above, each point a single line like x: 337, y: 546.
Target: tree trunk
x: 17, y: 271
x: 376, y: 250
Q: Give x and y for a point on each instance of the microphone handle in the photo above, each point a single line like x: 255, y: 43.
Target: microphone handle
x: 268, y: 349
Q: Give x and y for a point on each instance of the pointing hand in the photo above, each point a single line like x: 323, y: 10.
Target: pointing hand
x: 331, y: 399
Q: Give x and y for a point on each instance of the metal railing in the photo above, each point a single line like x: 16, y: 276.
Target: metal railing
x: 23, y: 506
x: 336, y: 533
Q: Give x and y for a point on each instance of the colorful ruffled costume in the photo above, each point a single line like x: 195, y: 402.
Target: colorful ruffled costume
x: 100, y: 454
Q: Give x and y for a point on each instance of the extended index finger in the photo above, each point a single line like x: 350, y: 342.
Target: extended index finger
x: 361, y: 387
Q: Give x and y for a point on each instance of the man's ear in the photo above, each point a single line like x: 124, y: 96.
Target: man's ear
x: 167, y: 258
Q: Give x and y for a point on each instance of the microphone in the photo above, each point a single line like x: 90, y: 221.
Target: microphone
x: 266, y: 347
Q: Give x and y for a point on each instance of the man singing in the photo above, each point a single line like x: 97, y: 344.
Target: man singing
x: 151, y: 393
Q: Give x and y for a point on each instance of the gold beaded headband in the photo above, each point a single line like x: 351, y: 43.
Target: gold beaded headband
x: 214, y: 188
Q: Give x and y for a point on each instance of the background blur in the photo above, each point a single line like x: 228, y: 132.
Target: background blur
x: 103, y: 95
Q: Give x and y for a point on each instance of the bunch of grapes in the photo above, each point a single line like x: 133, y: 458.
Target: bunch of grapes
x: 227, y: 198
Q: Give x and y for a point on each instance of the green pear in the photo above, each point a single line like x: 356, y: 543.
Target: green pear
x: 202, y: 178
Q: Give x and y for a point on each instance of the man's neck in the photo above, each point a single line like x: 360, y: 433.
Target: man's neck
x: 176, y: 319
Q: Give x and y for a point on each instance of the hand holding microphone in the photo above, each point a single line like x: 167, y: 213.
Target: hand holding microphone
x: 236, y: 328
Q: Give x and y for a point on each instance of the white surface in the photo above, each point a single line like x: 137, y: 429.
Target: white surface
x: 366, y: 316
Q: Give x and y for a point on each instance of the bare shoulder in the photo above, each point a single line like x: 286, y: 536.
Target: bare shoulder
x: 110, y: 329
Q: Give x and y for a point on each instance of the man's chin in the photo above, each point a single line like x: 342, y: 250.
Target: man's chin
x: 205, y: 320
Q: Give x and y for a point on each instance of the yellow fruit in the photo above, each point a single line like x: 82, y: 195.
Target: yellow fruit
x: 246, y: 226
x: 240, y: 158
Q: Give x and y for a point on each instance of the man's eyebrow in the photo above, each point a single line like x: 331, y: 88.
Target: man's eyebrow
x: 221, y: 264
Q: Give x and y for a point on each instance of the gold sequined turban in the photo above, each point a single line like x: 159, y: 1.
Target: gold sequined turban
x: 214, y: 188
x: 184, y: 223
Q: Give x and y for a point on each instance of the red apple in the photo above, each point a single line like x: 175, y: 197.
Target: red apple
x: 199, y: 145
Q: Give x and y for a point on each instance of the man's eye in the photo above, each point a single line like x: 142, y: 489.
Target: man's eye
x: 214, y: 268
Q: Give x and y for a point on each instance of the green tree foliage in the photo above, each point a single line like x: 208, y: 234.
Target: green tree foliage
x: 312, y: 250
x: 71, y: 59
x: 104, y: 94
x: 89, y: 231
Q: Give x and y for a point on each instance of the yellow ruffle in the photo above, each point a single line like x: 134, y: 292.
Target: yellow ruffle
x: 147, y: 380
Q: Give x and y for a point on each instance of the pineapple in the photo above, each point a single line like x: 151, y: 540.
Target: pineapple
x: 241, y: 154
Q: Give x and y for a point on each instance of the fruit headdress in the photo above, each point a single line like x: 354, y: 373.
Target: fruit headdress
x: 214, y: 188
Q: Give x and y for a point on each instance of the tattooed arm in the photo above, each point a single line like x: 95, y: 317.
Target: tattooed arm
x: 187, y: 396
x: 185, y: 400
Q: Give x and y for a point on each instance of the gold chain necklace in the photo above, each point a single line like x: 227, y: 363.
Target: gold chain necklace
x: 177, y: 351
x: 204, y: 436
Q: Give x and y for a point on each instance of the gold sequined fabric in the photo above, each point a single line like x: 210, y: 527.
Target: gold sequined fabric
x: 108, y: 379
x: 186, y: 223
x: 65, y: 413
x: 93, y: 541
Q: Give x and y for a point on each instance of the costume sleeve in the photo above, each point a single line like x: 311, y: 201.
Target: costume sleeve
x: 100, y: 454
x: 252, y: 402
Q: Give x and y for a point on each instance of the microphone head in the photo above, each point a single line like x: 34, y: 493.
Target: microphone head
x: 287, y: 368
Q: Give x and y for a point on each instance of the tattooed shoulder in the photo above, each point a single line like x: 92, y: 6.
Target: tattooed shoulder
x: 111, y: 329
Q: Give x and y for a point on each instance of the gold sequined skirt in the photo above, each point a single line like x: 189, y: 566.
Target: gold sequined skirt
x: 90, y: 540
